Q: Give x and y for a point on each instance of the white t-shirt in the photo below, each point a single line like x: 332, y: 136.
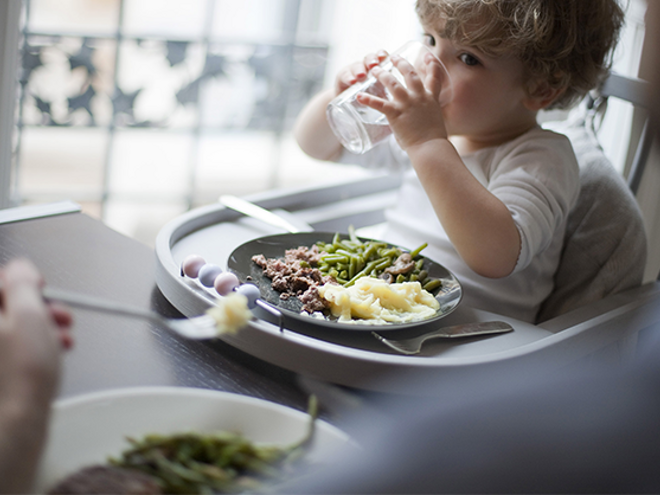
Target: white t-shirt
x: 535, y: 175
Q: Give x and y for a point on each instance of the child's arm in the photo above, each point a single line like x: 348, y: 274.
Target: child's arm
x: 312, y: 131
x: 478, y: 224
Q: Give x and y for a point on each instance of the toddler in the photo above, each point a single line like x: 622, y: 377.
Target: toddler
x: 483, y: 183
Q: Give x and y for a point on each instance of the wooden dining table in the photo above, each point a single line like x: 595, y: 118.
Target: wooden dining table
x: 76, y: 252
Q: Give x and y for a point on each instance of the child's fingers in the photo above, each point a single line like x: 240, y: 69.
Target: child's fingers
x: 374, y: 59
x: 396, y: 89
x: 413, y: 81
x: 436, y: 78
x: 350, y: 75
x: 382, y: 105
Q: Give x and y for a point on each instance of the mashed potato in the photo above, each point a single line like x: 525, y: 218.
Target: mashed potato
x: 231, y: 313
x: 374, y: 301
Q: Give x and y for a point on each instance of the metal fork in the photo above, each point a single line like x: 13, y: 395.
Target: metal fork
x: 198, y: 327
x: 414, y: 345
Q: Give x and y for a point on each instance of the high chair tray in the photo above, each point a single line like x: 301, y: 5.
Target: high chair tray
x: 354, y: 359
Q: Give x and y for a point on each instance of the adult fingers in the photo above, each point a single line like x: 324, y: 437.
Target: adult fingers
x: 21, y: 283
x: 61, y: 315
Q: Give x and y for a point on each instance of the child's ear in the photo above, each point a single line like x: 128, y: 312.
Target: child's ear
x: 540, y: 95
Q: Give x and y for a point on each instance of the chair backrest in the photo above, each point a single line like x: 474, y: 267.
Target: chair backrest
x: 605, y: 247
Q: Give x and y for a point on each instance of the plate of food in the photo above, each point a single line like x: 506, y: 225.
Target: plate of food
x: 152, y: 438
x: 344, y: 282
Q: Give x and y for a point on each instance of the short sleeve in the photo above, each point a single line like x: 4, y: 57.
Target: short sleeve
x: 538, y: 181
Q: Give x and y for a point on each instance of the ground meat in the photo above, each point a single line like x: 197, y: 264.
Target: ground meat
x: 107, y: 479
x: 290, y: 278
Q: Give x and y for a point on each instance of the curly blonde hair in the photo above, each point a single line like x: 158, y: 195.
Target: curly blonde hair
x: 564, y: 44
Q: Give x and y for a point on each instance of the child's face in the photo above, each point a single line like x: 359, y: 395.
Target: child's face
x: 490, y: 103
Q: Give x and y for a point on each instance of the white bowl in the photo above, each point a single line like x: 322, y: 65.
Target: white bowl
x: 86, y: 430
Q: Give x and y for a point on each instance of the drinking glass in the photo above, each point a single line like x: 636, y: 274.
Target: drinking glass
x: 359, y: 127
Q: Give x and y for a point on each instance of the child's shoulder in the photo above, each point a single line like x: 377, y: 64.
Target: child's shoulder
x: 540, y: 153
x: 545, y: 144
x: 539, y: 136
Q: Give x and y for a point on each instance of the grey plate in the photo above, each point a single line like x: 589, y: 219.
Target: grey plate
x: 240, y: 262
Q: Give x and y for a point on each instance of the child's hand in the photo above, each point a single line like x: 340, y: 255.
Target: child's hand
x: 414, y: 113
x: 357, y: 71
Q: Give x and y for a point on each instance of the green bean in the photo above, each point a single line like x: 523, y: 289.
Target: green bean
x: 352, y: 235
x: 348, y: 259
x: 383, y: 264
x: 222, y: 462
x: 432, y: 284
x: 334, y: 258
x: 415, y: 253
x: 352, y: 268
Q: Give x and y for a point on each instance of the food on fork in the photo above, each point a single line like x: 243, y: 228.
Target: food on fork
x: 231, y: 313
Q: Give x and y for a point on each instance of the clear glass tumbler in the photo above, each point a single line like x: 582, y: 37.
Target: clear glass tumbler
x: 358, y: 127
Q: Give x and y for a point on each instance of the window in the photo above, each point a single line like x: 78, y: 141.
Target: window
x: 142, y: 109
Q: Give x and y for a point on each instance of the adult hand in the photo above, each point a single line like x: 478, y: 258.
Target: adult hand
x: 32, y: 337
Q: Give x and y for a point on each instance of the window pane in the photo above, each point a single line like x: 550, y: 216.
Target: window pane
x: 315, y: 21
x: 58, y: 163
x: 299, y: 170
x: 249, y: 20
x: 150, y: 164
x: 67, y: 81
x: 74, y: 16
x: 154, y: 83
x: 141, y: 220
x: 233, y: 163
x: 171, y: 19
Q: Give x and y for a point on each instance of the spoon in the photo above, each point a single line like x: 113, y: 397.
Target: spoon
x: 251, y: 210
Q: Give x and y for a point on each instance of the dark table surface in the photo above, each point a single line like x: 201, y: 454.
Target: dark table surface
x: 78, y: 253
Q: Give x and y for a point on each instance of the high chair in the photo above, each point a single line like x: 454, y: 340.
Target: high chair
x: 597, y: 311
x: 605, y: 247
